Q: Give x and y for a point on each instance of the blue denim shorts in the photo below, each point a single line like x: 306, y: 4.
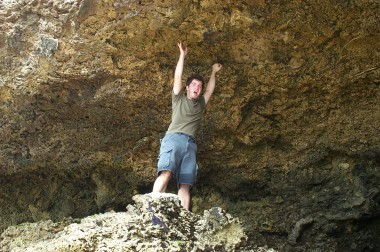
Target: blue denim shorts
x: 178, y: 155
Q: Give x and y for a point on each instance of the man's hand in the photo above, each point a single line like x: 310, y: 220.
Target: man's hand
x: 177, y: 85
x: 216, y: 67
x: 182, y: 49
x: 211, y: 83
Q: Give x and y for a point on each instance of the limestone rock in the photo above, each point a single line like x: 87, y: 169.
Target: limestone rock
x: 154, y: 223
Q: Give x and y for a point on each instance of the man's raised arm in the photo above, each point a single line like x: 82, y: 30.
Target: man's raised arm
x: 211, y: 83
x: 177, y: 86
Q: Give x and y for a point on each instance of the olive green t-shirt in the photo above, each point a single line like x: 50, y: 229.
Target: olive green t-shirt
x: 186, y: 114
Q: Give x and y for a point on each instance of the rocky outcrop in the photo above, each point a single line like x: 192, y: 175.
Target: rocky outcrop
x: 155, y: 223
x: 290, y: 139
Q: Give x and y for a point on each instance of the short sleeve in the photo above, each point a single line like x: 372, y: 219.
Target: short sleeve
x: 202, y: 101
x: 175, y: 98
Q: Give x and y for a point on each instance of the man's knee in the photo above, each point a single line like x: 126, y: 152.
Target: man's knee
x: 165, y: 174
x: 185, y: 187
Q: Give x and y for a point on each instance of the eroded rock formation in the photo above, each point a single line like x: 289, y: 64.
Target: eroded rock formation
x: 290, y: 140
x: 154, y: 223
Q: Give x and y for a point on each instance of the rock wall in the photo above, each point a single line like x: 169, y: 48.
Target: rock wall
x: 289, y: 142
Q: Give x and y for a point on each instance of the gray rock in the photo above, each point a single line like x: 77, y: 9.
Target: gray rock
x: 48, y: 45
x: 156, y: 222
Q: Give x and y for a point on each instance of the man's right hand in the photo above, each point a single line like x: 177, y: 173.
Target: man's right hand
x: 182, y: 49
x: 177, y: 86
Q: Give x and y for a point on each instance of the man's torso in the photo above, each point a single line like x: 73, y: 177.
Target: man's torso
x: 186, y: 114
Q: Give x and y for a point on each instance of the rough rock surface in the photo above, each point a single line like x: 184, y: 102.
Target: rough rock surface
x: 155, y: 223
x: 290, y: 141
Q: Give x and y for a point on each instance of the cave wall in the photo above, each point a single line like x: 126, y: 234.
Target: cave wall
x: 289, y: 141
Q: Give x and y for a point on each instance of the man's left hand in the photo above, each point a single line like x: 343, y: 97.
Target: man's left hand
x: 216, y: 67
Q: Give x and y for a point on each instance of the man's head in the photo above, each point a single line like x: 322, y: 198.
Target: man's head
x: 194, y: 85
x: 194, y: 77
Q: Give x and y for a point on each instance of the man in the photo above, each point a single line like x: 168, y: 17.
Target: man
x: 177, y: 156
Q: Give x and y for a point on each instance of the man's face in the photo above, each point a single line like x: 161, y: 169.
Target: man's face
x: 194, y: 89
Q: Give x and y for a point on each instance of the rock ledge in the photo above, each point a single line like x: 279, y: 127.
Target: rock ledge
x: 156, y: 222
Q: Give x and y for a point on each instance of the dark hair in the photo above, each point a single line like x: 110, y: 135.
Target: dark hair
x: 195, y: 77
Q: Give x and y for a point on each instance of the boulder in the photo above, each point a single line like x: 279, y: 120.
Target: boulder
x: 156, y: 222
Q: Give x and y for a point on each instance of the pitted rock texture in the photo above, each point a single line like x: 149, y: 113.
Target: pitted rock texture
x: 156, y: 223
x: 290, y: 139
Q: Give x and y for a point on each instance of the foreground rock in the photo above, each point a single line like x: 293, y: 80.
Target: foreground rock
x: 154, y: 223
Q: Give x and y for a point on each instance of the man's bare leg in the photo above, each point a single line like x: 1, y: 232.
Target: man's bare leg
x: 162, y: 181
x: 184, y: 196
